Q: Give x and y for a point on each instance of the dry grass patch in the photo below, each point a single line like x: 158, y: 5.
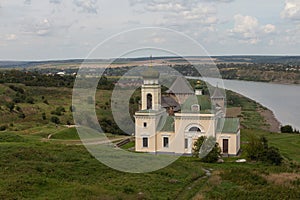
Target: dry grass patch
x: 199, y: 197
x: 282, y: 178
x: 215, y: 178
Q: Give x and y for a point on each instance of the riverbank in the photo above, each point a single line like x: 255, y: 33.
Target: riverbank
x: 273, y: 125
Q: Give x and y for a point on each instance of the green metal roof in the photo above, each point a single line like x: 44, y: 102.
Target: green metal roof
x: 230, y: 125
x: 202, y: 100
x: 169, y: 124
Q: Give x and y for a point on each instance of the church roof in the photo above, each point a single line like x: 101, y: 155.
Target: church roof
x: 168, y: 125
x: 218, y: 93
x: 180, y: 86
x: 203, y: 101
x: 230, y: 125
x: 169, y: 102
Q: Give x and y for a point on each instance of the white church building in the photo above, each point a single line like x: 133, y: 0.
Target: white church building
x: 175, y: 131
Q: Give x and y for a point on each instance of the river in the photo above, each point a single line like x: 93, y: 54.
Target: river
x: 283, y: 100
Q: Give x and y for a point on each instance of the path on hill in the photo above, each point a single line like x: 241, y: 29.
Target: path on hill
x: 194, y: 187
x: 86, y: 142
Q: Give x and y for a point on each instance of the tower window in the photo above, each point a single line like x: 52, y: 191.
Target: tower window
x: 145, y: 124
x: 145, y: 142
x: 186, y: 143
x: 149, y: 101
x: 165, y: 142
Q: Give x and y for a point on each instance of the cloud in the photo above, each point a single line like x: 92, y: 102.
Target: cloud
x: 269, y: 28
x: 245, y: 27
x: 291, y: 10
x: 39, y: 28
x: 10, y: 37
x: 55, y: 1
x: 28, y: 2
x: 88, y: 6
x: 248, y: 30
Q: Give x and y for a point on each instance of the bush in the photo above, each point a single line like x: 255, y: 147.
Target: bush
x: 46, y: 102
x: 44, y: 116
x: 58, y: 111
x: 30, y: 100
x: 10, y: 106
x: 3, y: 128
x: 22, y: 115
x: 212, y: 155
x: 55, y: 120
x: 258, y: 149
x: 272, y: 156
x: 286, y: 129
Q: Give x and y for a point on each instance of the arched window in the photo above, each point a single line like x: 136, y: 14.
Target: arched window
x: 149, y: 101
x: 194, y: 129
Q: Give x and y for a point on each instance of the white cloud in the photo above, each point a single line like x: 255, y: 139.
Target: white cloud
x: 41, y: 28
x: 55, y: 1
x: 291, y: 10
x: 88, y: 6
x: 28, y: 2
x: 248, y: 30
x: 269, y: 28
x: 10, y: 37
x: 245, y: 28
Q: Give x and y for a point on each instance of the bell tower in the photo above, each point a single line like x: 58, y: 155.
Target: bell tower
x: 148, y: 119
x: 151, y: 90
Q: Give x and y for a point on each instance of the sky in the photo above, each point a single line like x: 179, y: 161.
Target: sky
x: 65, y: 29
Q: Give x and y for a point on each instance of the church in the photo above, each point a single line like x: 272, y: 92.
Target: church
x: 171, y: 123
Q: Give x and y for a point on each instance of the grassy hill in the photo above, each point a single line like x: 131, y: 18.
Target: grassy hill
x: 33, y: 167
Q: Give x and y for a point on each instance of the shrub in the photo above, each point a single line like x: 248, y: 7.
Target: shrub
x: 10, y: 106
x: 258, y: 149
x: 58, y: 111
x: 18, y: 108
x: 44, y: 116
x: 3, y: 127
x: 55, y: 120
x: 46, y: 102
x: 22, y: 115
x: 272, y: 156
x: 286, y: 129
x: 30, y: 100
x: 212, y: 154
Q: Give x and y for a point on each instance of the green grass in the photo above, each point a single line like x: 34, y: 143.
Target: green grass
x: 66, y: 134
x: 128, y: 145
x: 288, y: 144
x: 50, y: 171
x: 32, y: 169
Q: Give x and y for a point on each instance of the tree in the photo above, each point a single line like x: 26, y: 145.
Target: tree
x: 208, y: 147
x: 286, y: 129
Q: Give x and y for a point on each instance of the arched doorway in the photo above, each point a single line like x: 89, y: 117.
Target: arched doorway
x: 192, y: 132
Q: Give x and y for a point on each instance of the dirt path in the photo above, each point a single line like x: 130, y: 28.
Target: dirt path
x: 274, y: 124
x: 191, y: 189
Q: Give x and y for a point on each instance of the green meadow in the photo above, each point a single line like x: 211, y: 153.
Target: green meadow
x: 43, y: 160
